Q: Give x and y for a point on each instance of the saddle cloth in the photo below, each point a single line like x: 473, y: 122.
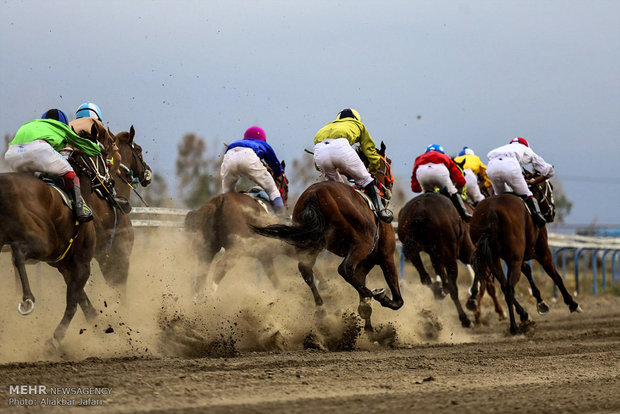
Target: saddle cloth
x: 261, y: 197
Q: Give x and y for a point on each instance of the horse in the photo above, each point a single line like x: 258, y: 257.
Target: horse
x: 38, y: 226
x: 502, y: 228
x: 430, y: 223
x: 333, y: 216
x: 224, y: 223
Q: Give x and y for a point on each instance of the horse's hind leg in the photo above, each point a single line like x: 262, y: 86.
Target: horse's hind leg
x: 440, y: 289
x: 477, y: 310
x: 452, y: 272
x: 205, y: 257
x: 415, y: 259
x: 541, y: 306
x: 27, y: 304
x: 307, y: 259
x: 364, y: 309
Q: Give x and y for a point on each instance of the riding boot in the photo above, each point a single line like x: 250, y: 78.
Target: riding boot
x: 537, y: 216
x: 458, y: 202
x: 81, y: 210
x: 383, y: 213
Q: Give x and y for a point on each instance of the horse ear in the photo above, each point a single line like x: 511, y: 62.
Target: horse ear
x: 283, y: 165
x: 132, y: 133
x: 382, y: 150
x: 93, y: 132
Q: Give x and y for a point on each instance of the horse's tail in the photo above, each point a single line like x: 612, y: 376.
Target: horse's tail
x: 486, y: 249
x: 309, y: 232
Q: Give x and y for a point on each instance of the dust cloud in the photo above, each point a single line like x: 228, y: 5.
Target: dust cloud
x: 159, y: 317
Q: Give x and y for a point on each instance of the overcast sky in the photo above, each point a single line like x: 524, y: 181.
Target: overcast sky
x: 478, y: 73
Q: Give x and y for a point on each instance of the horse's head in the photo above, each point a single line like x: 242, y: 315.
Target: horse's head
x: 543, y: 192
x: 282, y: 184
x: 99, y: 134
x: 385, y: 179
x: 133, y: 168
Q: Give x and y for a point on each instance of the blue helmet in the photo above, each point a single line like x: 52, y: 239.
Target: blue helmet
x: 466, y: 151
x: 435, y: 147
x: 88, y: 110
x: 57, y: 115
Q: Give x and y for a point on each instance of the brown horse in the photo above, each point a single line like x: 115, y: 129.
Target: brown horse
x: 333, y: 216
x: 224, y: 223
x: 39, y: 226
x: 430, y: 223
x: 502, y: 228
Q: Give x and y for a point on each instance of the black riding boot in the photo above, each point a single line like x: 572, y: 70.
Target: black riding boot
x: 537, y: 216
x: 458, y: 202
x: 81, y: 210
x: 383, y: 213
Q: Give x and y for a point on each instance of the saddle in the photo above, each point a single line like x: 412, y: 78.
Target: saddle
x: 261, y: 197
x: 366, y: 199
x: 57, y: 183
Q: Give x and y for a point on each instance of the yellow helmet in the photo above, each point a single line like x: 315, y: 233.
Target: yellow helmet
x: 349, y: 113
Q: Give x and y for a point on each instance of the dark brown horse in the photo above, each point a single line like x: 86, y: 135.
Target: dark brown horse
x: 502, y: 228
x: 333, y: 216
x: 224, y: 223
x: 39, y: 226
x: 430, y: 223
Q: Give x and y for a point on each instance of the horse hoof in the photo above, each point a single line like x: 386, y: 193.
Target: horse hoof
x: 320, y: 313
x: 26, y: 307
x: 542, y: 308
x: 466, y: 323
x: 502, y: 317
x: 378, y: 294
x: 214, y: 287
x: 470, y: 304
x: 577, y: 309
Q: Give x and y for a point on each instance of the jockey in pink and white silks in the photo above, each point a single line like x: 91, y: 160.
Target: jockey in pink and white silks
x: 504, y: 171
x: 243, y: 159
x: 333, y: 154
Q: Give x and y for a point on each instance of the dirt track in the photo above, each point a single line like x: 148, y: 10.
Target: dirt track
x: 570, y: 363
x: 243, y: 350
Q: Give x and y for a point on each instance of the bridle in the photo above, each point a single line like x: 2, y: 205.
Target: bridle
x: 385, y: 185
x: 146, y: 171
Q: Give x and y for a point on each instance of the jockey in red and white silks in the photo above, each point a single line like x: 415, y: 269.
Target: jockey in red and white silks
x: 505, y: 167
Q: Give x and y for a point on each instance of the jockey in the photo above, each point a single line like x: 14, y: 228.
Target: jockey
x: 333, y: 153
x: 473, y: 169
x: 504, y: 170
x: 88, y: 110
x: 243, y: 158
x: 86, y: 115
x: 435, y: 169
x: 36, y: 147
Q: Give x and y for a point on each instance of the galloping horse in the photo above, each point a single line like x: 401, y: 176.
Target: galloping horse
x: 430, y: 223
x: 224, y: 223
x: 333, y: 216
x: 38, y: 226
x: 502, y: 228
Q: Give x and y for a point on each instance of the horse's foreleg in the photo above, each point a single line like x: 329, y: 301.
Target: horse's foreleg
x: 541, y: 306
x: 75, y: 276
x: 267, y: 262
x: 305, y: 265
x: 27, y: 305
x: 547, y: 263
x: 490, y: 286
x: 452, y: 272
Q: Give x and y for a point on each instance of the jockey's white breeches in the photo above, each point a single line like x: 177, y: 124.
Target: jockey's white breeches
x: 505, y: 175
x: 471, y: 181
x: 36, y: 156
x: 243, y: 162
x: 334, y: 155
x: 434, y: 175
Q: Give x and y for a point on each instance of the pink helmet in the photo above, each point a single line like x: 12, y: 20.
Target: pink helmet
x: 519, y: 140
x: 255, y: 132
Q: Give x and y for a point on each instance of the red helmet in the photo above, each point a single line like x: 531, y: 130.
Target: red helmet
x: 255, y: 132
x: 520, y: 140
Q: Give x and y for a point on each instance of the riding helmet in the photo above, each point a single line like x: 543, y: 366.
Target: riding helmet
x: 466, y: 151
x: 57, y: 115
x: 519, y: 140
x: 88, y: 110
x: 349, y: 113
x: 255, y: 132
x: 435, y: 147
